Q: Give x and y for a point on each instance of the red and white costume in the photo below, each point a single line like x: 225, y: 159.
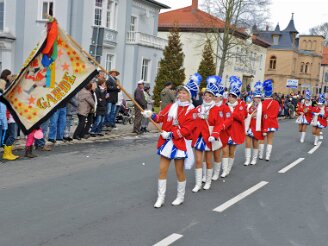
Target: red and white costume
x: 270, y: 115
x: 224, y: 115
x: 320, y: 117
x: 304, y: 110
x: 236, y: 123
x: 254, y: 121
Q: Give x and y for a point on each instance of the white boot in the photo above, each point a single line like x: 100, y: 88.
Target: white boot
x: 231, y: 160
x: 209, y: 173
x: 181, y: 188
x: 217, y: 169
x: 321, y: 136
x: 160, y: 193
x: 268, y: 152
x: 247, y: 156
x: 198, y: 179
x: 261, y: 151
x: 204, y: 172
x: 316, y: 140
x: 254, y: 158
x: 302, y: 137
x: 225, y: 167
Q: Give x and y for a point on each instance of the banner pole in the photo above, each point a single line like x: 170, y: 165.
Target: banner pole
x: 119, y: 85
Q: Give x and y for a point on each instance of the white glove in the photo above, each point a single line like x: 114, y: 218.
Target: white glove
x: 147, y: 113
x: 265, y: 134
x: 211, y: 139
x: 166, y: 135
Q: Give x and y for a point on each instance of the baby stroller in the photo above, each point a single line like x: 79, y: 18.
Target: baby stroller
x: 124, y: 114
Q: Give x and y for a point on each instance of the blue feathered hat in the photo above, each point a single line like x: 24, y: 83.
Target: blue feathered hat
x: 220, y: 87
x: 307, y: 95
x: 235, y: 85
x: 321, y: 99
x: 258, y: 89
x: 211, y: 85
x: 193, y: 84
x: 267, y: 86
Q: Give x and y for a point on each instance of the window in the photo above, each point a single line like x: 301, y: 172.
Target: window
x: 302, y: 67
x: 133, y: 24
x: 47, y: 8
x: 305, y: 44
x: 273, y: 62
x: 237, y: 54
x: 275, y: 40
x: 108, y: 16
x: 98, y: 12
x: 260, y: 61
x: 2, y: 15
x: 310, y: 45
x: 109, y: 62
x: 145, y: 69
x: 307, y: 67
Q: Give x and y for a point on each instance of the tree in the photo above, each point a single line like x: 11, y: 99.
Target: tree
x: 207, y: 66
x: 239, y: 16
x: 171, y: 65
x: 321, y: 30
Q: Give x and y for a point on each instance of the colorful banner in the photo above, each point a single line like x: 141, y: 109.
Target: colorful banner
x: 54, y: 72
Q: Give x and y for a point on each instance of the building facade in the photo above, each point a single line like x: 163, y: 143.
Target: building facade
x: 293, y: 56
x: 324, y: 71
x: 121, y: 34
x: 247, y: 60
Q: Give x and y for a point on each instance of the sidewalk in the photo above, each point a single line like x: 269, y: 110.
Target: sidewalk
x: 117, y: 133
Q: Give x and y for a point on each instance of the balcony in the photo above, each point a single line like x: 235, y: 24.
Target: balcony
x: 146, y: 40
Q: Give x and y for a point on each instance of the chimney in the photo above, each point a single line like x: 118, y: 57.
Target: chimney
x: 194, y: 5
x: 267, y: 28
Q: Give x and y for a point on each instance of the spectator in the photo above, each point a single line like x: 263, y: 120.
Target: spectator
x: 101, y: 93
x: 41, y: 142
x: 113, y: 89
x: 139, y: 97
x: 70, y: 113
x: 3, y: 117
x: 167, y: 95
x: 57, y: 125
x: 199, y: 99
x: 120, y: 100
x: 150, y: 103
x: 85, y: 110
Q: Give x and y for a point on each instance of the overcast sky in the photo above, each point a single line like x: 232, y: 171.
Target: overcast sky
x: 308, y: 13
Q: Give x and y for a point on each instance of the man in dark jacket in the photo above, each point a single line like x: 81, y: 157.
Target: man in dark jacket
x: 113, y: 89
x: 139, y: 97
x: 167, y: 95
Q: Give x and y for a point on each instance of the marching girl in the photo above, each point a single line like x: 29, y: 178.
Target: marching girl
x: 234, y: 124
x: 205, y: 134
x: 304, y: 110
x: 224, y: 114
x: 253, y: 126
x: 177, y: 122
x: 319, y: 120
x: 270, y: 109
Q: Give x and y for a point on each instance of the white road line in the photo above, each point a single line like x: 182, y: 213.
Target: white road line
x: 314, y: 148
x: 291, y: 165
x: 169, y: 240
x: 239, y: 197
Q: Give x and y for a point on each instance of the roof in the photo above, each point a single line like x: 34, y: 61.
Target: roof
x: 260, y: 42
x: 324, y: 56
x: 188, y: 18
x: 291, y: 26
x: 163, y: 6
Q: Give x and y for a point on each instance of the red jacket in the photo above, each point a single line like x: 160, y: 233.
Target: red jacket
x: 236, y: 124
x: 257, y: 134
x: 306, y: 110
x: 201, y: 126
x: 270, y: 114
x: 180, y: 131
x: 224, y: 115
x: 322, y: 118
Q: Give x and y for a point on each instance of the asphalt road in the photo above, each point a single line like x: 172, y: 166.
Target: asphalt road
x: 103, y: 194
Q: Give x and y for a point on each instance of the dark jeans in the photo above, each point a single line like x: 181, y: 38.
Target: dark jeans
x: 57, y: 124
x: 98, y: 124
x: 11, y: 134
x: 83, y: 126
x: 111, y: 114
x: 42, y: 142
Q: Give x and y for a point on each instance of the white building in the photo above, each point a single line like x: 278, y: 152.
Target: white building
x: 121, y: 34
x: 195, y: 26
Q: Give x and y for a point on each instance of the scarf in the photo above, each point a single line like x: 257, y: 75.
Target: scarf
x: 205, y: 109
x: 258, y: 117
x: 173, y: 112
x: 232, y: 105
x: 219, y: 103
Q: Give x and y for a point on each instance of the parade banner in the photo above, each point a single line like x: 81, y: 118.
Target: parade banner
x: 54, y: 72
x: 292, y: 83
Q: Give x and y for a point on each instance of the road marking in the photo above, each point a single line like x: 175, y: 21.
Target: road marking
x: 239, y: 197
x: 291, y: 165
x: 169, y: 240
x: 314, y: 148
